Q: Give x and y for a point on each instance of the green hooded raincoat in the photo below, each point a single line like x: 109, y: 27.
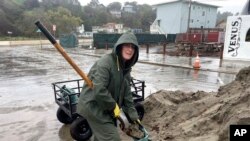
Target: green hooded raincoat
x: 111, y: 78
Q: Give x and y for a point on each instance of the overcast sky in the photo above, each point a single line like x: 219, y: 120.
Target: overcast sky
x: 226, y: 5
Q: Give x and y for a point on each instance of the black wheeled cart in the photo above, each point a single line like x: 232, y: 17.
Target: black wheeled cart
x: 66, y: 96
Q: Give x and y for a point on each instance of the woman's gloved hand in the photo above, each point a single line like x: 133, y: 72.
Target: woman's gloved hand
x: 117, y: 111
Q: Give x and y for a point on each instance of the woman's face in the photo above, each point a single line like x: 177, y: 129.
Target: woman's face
x: 128, y: 51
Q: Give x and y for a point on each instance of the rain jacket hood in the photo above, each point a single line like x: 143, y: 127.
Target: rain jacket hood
x: 126, y: 38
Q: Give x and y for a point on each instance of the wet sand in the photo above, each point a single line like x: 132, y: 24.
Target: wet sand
x: 199, y: 116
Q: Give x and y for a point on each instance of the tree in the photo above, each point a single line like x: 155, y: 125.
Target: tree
x: 26, y: 22
x: 64, y: 20
x: 19, y: 16
x: 130, y: 20
x: 236, y: 14
x: 60, y: 16
x: 95, y: 16
x: 10, y: 11
x: 94, y: 3
x: 144, y: 16
x: 147, y: 16
x: 116, y: 6
x: 5, y: 24
x: 223, y: 16
x: 30, y: 4
x: 134, y: 4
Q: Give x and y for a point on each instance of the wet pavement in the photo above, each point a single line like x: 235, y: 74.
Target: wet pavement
x: 177, y: 73
x: 212, y: 64
x: 27, y: 107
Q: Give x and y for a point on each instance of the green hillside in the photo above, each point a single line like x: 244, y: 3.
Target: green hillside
x: 18, y: 16
x: 19, y: 2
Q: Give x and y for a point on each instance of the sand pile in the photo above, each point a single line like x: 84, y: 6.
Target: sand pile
x: 179, y: 116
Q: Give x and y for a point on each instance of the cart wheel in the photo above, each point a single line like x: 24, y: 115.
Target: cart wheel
x: 140, y: 110
x: 80, y: 129
x: 63, y: 117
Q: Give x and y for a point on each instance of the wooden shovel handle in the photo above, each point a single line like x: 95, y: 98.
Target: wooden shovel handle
x: 63, y: 53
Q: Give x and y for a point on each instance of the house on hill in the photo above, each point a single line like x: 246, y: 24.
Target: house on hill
x: 222, y: 24
x: 109, y: 28
x: 116, y: 13
x: 125, y: 9
x: 173, y: 17
x: 128, y: 8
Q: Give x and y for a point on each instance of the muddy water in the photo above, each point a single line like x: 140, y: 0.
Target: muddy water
x: 27, y: 107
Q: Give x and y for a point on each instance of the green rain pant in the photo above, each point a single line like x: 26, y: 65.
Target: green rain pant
x: 104, y: 131
x: 102, y: 126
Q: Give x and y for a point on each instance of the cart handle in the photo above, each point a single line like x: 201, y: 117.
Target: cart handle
x: 63, y: 53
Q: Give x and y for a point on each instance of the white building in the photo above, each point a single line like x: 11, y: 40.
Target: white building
x: 109, y: 28
x: 172, y: 17
x: 80, y: 29
x: 128, y: 8
x: 246, y: 8
x: 115, y: 13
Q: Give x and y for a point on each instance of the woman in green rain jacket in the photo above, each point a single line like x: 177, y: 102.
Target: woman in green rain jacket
x: 111, y: 78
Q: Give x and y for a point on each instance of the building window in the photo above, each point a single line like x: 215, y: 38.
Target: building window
x: 159, y: 22
x: 248, y: 36
x: 207, y: 21
x: 203, y: 13
x: 192, y: 20
x: 193, y: 7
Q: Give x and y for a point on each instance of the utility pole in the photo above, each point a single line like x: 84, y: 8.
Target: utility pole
x: 188, y: 29
x: 188, y: 24
x: 9, y: 32
x: 189, y: 13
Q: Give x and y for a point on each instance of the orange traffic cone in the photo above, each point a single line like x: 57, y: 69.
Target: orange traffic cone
x: 197, y: 64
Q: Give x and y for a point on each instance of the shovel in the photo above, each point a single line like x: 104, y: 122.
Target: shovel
x: 63, y: 53
x: 124, y: 123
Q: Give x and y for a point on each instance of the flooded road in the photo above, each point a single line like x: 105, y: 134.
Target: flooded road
x: 27, y: 107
